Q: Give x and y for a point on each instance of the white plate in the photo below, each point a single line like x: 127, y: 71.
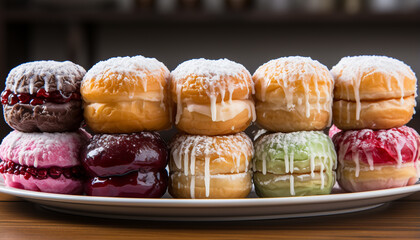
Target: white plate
x: 212, y: 209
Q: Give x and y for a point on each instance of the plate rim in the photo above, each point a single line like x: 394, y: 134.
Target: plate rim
x: 191, y: 203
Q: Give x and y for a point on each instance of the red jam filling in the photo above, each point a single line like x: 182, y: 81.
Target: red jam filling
x: 41, y: 173
x: 38, y: 98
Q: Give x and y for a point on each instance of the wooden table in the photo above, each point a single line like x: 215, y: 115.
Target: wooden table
x: 23, y: 220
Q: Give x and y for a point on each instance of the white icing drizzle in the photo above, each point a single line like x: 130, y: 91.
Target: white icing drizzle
x: 131, y: 71
x: 287, y: 71
x: 215, y: 78
x: 185, y: 149
x: 351, y: 71
x: 292, y: 184
x: 361, y: 145
x: 45, y: 71
x: 192, y: 187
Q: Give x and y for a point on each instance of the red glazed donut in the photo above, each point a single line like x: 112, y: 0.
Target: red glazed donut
x: 377, y: 159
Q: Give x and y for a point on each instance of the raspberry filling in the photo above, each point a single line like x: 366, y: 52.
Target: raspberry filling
x: 41, y: 173
x: 38, y: 98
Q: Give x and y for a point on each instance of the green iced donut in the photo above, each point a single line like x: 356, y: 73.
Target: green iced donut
x: 294, y: 164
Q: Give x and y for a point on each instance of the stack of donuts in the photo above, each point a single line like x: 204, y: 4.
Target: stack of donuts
x: 211, y: 157
x: 374, y: 97
x: 125, y: 101
x: 293, y: 99
x: 42, y: 103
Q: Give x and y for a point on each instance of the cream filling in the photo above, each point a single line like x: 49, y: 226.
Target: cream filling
x: 154, y: 96
x: 223, y: 111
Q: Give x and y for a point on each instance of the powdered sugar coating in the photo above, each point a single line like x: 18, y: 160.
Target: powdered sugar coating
x: 391, y: 146
x: 138, y: 66
x: 213, y: 75
x: 51, y: 75
x: 351, y: 68
x: 42, y: 150
x: 295, y: 68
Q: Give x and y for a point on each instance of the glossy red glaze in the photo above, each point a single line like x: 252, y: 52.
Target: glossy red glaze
x: 38, y: 98
x: 384, y: 146
x: 118, y: 154
x: 41, y: 173
x: 139, y: 184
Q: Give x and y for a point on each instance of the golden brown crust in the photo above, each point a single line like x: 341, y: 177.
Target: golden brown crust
x: 382, y: 177
x: 372, y: 78
x: 126, y: 117
x: 274, y: 119
x: 221, y: 186
x: 197, y: 123
x: 381, y: 114
x: 293, y: 94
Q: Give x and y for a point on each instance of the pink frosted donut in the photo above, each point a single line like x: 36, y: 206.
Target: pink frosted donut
x: 46, y: 162
x: 377, y: 159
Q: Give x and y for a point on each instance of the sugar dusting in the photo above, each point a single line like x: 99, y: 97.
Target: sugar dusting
x: 51, y: 75
x: 215, y: 77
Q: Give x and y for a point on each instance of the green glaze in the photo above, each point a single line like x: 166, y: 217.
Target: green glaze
x: 302, y: 154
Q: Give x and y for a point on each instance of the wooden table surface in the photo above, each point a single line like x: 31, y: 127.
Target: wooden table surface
x: 24, y: 220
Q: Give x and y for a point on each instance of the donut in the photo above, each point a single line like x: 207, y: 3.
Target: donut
x: 212, y: 97
x: 43, y: 96
x: 294, y: 164
x: 374, y: 92
x: 45, y: 162
x: 126, y: 165
x: 138, y: 184
x: 293, y: 94
x: 210, y: 166
x: 126, y: 94
x: 377, y: 159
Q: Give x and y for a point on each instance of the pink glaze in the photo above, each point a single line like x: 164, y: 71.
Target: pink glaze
x: 333, y: 130
x: 43, y: 150
x: 391, y: 146
x: 60, y: 185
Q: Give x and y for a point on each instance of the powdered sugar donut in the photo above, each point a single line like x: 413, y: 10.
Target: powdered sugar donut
x: 44, y: 96
x: 374, y: 92
x: 212, y: 97
x: 126, y: 94
x: 46, y: 162
x: 210, y: 166
x: 377, y: 159
x: 293, y: 94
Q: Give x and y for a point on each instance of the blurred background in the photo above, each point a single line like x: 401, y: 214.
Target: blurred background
x: 250, y: 32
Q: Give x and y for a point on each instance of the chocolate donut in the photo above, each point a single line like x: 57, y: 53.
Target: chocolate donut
x: 44, y: 96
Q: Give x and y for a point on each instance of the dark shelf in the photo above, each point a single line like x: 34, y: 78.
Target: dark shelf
x: 42, y: 16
